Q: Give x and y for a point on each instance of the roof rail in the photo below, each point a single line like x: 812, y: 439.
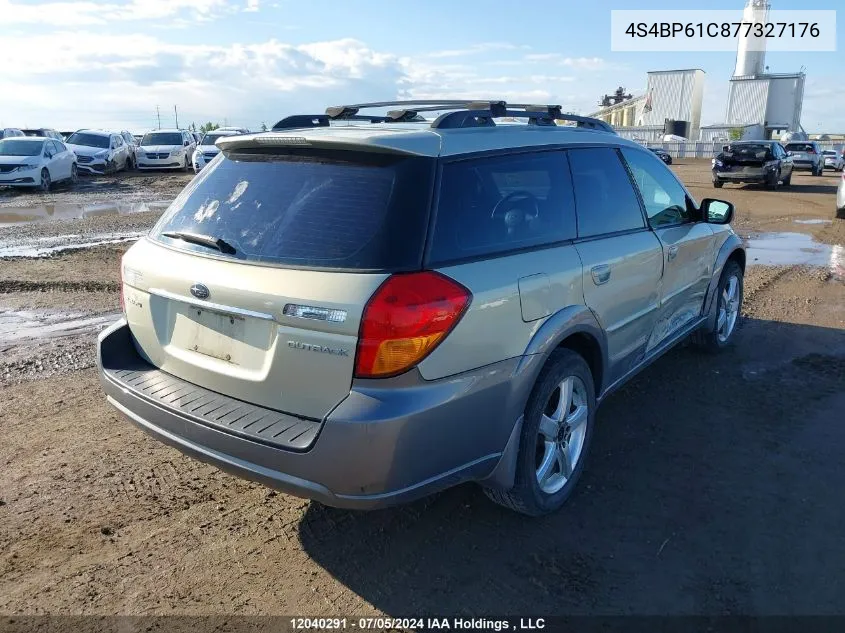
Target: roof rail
x: 461, y: 114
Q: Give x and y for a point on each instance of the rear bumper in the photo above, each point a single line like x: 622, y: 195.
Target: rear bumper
x: 388, y: 442
x: 804, y: 165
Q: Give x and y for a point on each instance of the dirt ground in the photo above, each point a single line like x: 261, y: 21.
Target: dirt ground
x: 714, y: 484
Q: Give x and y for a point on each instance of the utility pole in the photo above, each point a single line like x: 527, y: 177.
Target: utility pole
x: 176, y: 112
x: 158, y: 116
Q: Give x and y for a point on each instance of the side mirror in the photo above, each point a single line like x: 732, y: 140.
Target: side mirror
x: 716, y: 211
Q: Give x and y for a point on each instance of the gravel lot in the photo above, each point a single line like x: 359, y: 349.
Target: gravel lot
x: 714, y: 485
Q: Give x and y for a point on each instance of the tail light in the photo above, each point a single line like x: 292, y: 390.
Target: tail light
x: 811, y: 151
x: 407, y: 317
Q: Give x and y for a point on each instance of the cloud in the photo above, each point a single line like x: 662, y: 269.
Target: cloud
x: 80, y: 79
x: 582, y: 63
x: 475, y: 49
x: 85, y: 13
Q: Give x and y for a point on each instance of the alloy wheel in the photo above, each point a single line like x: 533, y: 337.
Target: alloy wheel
x: 560, y: 440
x: 728, y: 309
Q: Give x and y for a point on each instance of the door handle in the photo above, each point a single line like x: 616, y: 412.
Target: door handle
x: 673, y: 253
x: 600, y: 273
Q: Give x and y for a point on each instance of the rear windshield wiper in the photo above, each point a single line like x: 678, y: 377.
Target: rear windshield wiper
x: 203, y: 240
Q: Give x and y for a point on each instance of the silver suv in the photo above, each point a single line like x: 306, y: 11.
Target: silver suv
x: 806, y: 155
x: 366, y: 313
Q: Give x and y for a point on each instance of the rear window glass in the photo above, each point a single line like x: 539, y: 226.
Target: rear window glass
x: 800, y: 147
x: 492, y: 205
x: 751, y: 150
x: 308, y: 208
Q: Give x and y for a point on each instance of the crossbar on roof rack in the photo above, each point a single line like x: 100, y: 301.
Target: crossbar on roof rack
x: 469, y: 113
x: 320, y: 120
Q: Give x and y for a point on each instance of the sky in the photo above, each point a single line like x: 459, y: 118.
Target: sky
x: 68, y: 64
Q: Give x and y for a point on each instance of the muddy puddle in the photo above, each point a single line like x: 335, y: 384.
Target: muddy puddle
x: 11, y: 216
x: 784, y: 249
x: 21, y: 325
x: 813, y: 221
x: 49, y: 245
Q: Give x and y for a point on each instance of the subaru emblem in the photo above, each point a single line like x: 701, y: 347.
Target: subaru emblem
x: 200, y: 291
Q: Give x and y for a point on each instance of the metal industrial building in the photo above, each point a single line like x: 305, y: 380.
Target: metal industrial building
x: 671, y: 95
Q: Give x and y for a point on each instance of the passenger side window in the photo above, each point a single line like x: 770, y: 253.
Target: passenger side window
x: 605, y: 199
x: 665, y: 200
x: 496, y: 204
x: 57, y: 148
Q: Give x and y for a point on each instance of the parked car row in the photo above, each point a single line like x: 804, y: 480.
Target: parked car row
x: 54, y: 156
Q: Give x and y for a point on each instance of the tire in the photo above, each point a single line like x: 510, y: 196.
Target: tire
x: 788, y: 180
x: 187, y: 165
x: 840, y: 213
x: 46, y: 182
x: 717, y: 339
x: 772, y: 183
x: 74, y: 174
x: 718, y: 183
x: 668, y: 160
x: 544, y: 446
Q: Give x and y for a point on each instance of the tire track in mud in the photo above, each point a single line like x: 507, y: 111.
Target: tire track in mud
x: 761, y: 278
x: 9, y: 286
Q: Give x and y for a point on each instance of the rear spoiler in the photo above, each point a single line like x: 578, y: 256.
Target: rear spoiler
x: 426, y: 145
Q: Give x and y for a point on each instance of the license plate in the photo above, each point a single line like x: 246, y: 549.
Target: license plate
x: 216, y: 334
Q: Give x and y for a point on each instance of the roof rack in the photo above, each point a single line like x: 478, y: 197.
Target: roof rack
x: 319, y: 120
x: 478, y: 113
x: 457, y: 114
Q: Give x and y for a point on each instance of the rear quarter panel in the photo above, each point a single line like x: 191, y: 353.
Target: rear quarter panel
x: 494, y: 327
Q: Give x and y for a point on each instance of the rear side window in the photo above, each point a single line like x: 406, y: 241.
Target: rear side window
x: 497, y: 204
x: 605, y: 199
x: 308, y: 208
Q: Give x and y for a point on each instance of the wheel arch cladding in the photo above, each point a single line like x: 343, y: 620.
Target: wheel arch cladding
x: 738, y: 255
x: 584, y: 344
x: 576, y: 328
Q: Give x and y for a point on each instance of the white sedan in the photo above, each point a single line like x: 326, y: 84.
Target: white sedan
x: 31, y: 161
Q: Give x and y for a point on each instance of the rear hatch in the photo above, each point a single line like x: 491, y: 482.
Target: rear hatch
x: 801, y: 152
x: 254, y: 281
